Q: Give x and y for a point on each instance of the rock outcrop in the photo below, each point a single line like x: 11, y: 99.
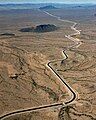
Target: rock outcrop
x: 40, y: 28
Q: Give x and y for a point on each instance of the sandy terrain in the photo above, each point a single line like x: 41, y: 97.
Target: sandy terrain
x: 25, y: 81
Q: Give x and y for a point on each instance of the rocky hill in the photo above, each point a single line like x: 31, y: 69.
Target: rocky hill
x: 7, y: 34
x: 40, y: 28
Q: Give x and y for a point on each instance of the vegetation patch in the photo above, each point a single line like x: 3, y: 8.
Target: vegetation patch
x: 48, y: 90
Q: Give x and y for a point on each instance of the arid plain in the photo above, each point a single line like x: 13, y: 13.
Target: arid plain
x: 26, y: 82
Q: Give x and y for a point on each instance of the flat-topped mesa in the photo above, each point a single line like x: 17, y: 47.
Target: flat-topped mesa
x: 47, y: 7
x: 40, y: 28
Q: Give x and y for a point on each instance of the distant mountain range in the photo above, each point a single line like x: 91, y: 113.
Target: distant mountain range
x: 48, y: 7
x: 44, y: 6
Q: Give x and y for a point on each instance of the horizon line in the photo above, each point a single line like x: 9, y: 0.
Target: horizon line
x: 46, y: 3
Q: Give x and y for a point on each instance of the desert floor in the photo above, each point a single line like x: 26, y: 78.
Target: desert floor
x: 25, y: 55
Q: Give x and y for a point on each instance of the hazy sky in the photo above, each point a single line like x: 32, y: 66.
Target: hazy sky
x: 45, y: 1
